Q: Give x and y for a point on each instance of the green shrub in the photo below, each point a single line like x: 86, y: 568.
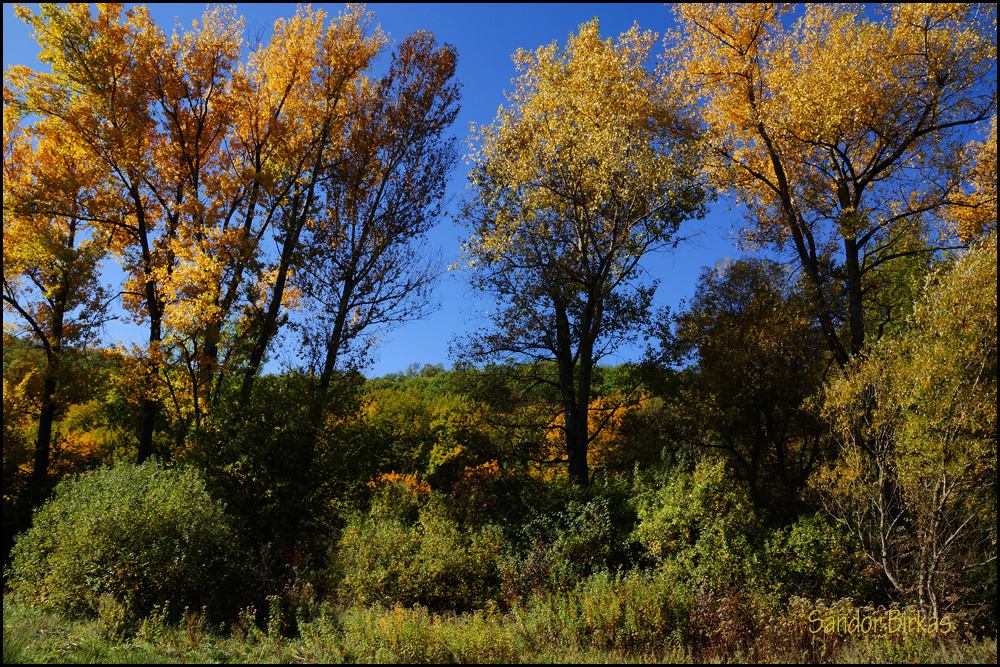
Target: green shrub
x: 280, y: 476
x: 563, y: 548
x: 701, y: 526
x: 817, y: 558
x: 128, y: 538
x: 432, y: 561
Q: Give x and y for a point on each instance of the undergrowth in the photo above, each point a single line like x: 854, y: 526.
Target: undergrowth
x: 567, y: 628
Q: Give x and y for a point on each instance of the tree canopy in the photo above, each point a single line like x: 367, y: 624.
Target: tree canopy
x: 841, y: 134
x: 588, y: 170
x: 235, y: 194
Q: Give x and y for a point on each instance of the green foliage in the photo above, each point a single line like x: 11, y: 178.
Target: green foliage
x: 564, y: 548
x: 418, y: 427
x: 758, y: 355
x: 402, y: 636
x: 916, y: 421
x: 391, y: 557
x: 81, y: 434
x: 817, y: 558
x: 633, y: 612
x: 276, y: 474
x: 117, y: 541
x: 567, y: 534
x: 699, y: 525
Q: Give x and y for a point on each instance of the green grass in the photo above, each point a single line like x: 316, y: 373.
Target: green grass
x: 413, y: 635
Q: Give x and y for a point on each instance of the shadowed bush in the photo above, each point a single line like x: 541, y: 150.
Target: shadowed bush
x: 127, y: 538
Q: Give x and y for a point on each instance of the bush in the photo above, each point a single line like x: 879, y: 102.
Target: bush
x: 386, y: 557
x: 564, y: 547
x: 128, y: 537
x: 699, y: 525
x: 278, y: 473
x: 817, y: 558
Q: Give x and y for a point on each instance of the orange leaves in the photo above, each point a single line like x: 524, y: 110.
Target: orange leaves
x: 194, y: 159
x: 608, y: 443
x: 51, y: 257
x: 409, y: 482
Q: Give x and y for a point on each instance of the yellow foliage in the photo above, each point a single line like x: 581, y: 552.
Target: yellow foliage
x: 187, y: 158
x: 916, y: 420
x: 584, y: 147
x: 841, y: 134
x: 976, y: 212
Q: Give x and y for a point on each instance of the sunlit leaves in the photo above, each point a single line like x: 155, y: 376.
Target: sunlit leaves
x: 232, y: 181
x: 976, y: 212
x: 585, y: 155
x: 840, y: 133
x: 588, y: 169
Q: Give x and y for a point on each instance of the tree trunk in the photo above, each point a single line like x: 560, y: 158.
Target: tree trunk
x: 40, y: 472
x: 855, y: 307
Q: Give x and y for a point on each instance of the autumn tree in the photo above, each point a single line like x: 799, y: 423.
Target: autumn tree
x: 757, y: 355
x: 305, y: 86
x: 841, y: 134
x: 236, y: 188
x: 916, y: 421
x: 587, y: 170
x: 147, y: 112
x: 51, y: 290
x: 363, y: 267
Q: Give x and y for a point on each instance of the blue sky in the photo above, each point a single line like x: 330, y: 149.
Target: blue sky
x: 486, y: 36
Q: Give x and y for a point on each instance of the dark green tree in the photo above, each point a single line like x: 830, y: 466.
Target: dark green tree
x: 757, y: 357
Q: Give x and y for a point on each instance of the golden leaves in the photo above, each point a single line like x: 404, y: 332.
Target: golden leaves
x: 976, y: 211
x: 817, y: 111
x: 582, y: 154
x: 841, y: 133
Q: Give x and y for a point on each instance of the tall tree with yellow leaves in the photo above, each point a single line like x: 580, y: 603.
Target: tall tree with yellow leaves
x: 51, y: 260
x: 842, y: 134
x: 205, y: 161
x: 305, y: 86
x: 586, y: 172
x: 148, y: 112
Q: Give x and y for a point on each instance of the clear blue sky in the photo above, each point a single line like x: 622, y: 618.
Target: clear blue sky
x: 486, y: 35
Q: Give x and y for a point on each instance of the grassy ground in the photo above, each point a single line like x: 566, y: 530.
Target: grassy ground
x: 408, y: 635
